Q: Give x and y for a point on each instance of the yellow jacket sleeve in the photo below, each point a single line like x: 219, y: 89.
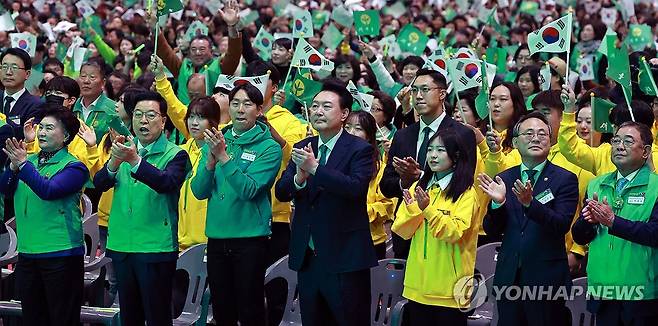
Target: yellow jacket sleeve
x: 577, y: 152
x: 483, y: 149
x: 451, y: 227
x: 379, y: 207
x: 497, y: 162
x: 176, y: 110
x: 408, y: 218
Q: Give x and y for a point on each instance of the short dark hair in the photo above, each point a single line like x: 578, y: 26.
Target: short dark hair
x: 206, y: 107
x: 204, y: 38
x: 337, y: 87
x: 550, y: 99
x: 436, y: 76
x: 149, y: 95
x: 641, y: 111
x: 411, y: 60
x: 65, y: 85
x: 531, y: 115
x: 463, y: 159
x: 252, y: 93
x: 284, y: 43
x: 388, y: 105
x: 21, y: 54
x: 95, y: 64
x: 645, y: 132
x: 65, y: 116
x: 259, y: 67
x: 352, y: 61
x: 52, y: 62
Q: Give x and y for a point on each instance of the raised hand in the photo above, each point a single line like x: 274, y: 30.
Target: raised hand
x: 217, y: 144
x: 367, y: 50
x: 493, y: 141
x: 157, y: 67
x: 16, y: 152
x: 29, y: 131
x: 230, y: 13
x: 422, y: 198
x: 494, y: 188
x: 87, y: 134
x: 568, y: 98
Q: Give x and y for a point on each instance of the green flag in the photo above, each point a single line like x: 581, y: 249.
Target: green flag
x: 603, y: 48
x: 342, y: 16
x: 60, y: 52
x: 529, y: 7
x: 320, y: 17
x: 411, y: 39
x: 332, y: 37
x: 600, y: 115
x: 482, y: 100
x: 249, y: 17
x: 93, y: 22
x: 196, y: 28
x: 496, y: 55
x: 646, y: 81
x: 367, y: 23
x: 166, y: 7
x: 489, y: 17
x: 304, y: 89
x: 449, y: 14
x: 619, y: 67
x: 639, y: 36
x: 443, y: 33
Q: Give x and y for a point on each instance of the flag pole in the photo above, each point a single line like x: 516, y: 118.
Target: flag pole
x: 591, y: 132
x: 285, y: 82
x: 566, y: 73
x: 628, y: 102
x: 646, y: 67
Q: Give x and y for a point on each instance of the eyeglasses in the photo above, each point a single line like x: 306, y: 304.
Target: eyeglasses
x: 616, y: 141
x: 529, y: 135
x: 91, y: 78
x: 423, y: 90
x: 246, y: 104
x: 150, y: 115
x: 6, y: 67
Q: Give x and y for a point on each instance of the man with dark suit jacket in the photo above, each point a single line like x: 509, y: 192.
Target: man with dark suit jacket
x: 532, y: 207
x: 330, y: 244
x: 18, y: 104
x: 406, y: 157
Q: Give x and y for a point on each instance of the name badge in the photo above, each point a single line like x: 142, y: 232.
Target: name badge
x: 545, y: 196
x: 637, y: 200
x: 15, y: 119
x: 248, y: 157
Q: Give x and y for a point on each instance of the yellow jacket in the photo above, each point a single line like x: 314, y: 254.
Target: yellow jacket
x: 594, y: 159
x: 498, y: 162
x: 292, y: 131
x: 191, y: 211
x: 176, y: 110
x: 443, y: 245
x: 78, y: 148
x: 105, y: 202
x: 380, y: 208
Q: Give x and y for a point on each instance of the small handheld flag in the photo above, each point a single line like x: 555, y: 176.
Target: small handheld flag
x: 554, y: 37
x: 228, y: 82
x: 307, y: 57
x: 24, y: 41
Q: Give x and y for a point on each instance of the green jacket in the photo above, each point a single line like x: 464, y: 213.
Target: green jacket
x: 613, y: 260
x: 100, y: 117
x: 141, y: 219
x: 48, y: 225
x: 187, y: 69
x: 238, y: 192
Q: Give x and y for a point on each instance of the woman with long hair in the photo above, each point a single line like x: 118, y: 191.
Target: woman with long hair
x: 507, y: 106
x: 439, y: 215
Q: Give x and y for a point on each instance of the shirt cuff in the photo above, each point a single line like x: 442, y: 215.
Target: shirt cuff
x: 298, y: 186
x: 112, y: 173
x: 136, y: 167
x: 495, y: 205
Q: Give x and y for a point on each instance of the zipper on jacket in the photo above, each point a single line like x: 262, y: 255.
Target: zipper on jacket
x: 425, y: 241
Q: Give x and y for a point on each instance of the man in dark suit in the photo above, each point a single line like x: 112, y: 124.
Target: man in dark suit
x: 18, y: 104
x: 532, y: 207
x: 330, y: 246
x: 406, y: 157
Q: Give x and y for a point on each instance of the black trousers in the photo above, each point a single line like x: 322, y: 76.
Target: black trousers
x: 419, y: 314
x: 50, y: 290
x: 626, y: 313
x: 276, y: 291
x: 327, y: 298
x: 145, y: 287
x: 400, y: 246
x: 236, y: 273
x: 380, y: 251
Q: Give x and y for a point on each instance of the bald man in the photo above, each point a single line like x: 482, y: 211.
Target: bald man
x: 196, y: 86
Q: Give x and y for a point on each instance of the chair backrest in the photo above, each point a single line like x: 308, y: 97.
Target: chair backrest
x: 11, y: 223
x: 486, y: 258
x: 90, y: 230
x: 86, y: 205
x: 280, y: 269
x: 11, y: 239
x: 387, y: 283
x: 578, y: 305
x: 192, y: 260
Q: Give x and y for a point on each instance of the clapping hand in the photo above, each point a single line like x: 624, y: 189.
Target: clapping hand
x: 29, y: 131
x: 523, y: 192
x: 422, y: 198
x: 87, y: 134
x: 494, y: 188
x: 305, y: 159
x: 408, y: 169
x: 16, y: 151
x: 124, y: 150
x: 217, y: 144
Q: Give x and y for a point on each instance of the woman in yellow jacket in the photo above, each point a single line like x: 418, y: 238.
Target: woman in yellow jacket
x: 380, y: 208
x: 439, y: 215
x: 202, y: 113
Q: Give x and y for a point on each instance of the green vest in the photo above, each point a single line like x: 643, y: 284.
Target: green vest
x: 100, y: 116
x: 614, y: 261
x: 187, y: 69
x: 142, y: 220
x: 48, y: 225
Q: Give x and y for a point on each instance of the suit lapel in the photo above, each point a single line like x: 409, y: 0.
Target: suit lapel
x: 543, y: 182
x: 338, y: 153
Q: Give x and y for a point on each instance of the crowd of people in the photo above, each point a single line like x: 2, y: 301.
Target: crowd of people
x: 323, y: 131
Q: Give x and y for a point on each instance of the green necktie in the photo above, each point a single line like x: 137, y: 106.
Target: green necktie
x: 422, y: 152
x: 531, y: 175
x: 621, y: 183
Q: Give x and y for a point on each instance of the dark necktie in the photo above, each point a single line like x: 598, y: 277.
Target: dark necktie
x: 531, y: 175
x: 323, y: 154
x: 7, y: 106
x: 621, y: 183
x: 422, y: 152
